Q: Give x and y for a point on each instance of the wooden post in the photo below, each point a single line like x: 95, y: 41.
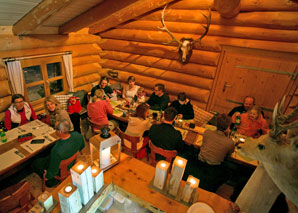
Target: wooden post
x: 259, y: 193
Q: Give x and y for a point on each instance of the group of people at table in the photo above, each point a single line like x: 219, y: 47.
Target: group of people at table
x: 215, y: 146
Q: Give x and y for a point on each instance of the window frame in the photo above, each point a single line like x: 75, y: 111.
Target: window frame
x: 42, y: 62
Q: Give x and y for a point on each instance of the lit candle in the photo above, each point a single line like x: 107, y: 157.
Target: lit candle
x: 80, y: 167
x: 161, y: 174
x: 105, y: 157
x: 69, y: 198
x: 176, y: 175
x: 242, y: 140
x: 190, y: 189
x: 68, y: 189
x: 97, y: 178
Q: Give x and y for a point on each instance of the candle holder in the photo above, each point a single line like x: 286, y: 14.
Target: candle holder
x: 69, y: 198
x: 189, y: 193
x: 82, y: 178
x: 178, y: 168
x: 97, y: 178
x: 161, y: 174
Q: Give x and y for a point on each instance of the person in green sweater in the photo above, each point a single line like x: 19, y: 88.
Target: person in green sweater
x: 67, y: 145
x: 159, y: 99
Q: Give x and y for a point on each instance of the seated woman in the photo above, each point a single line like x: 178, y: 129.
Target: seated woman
x: 99, y: 107
x: 55, y: 112
x: 18, y: 113
x: 183, y: 106
x: 141, y: 95
x: 103, y: 84
x: 131, y: 90
x: 137, y: 126
x: 252, y: 123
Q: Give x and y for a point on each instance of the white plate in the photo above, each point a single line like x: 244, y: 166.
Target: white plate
x: 200, y: 207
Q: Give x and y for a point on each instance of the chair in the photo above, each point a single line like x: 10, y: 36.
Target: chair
x: 168, y: 154
x: 95, y: 127
x: 130, y: 144
x: 64, y: 172
x: 16, y: 198
x: 201, y: 116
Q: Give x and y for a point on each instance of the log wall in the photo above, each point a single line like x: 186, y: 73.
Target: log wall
x: 85, y: 53
x: 137, y: 47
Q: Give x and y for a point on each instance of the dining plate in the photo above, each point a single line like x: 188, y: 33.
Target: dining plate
x: 200, y: 207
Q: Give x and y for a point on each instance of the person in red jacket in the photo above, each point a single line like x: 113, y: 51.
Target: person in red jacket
x: 99, y: 107
x: 19, y: 112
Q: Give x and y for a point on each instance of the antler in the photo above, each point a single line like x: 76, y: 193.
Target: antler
x: 279, y: 120
x: 164, y: 28
x: 205, y: 27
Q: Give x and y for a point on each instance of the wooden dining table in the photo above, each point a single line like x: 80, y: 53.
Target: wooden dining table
x: 13, y: 154
x: 191, y: 136
x: 135, y: 176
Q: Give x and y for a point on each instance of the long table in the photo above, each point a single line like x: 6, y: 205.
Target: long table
x: 14, y: 153
x: 190, y: 136
x: 134, y: 176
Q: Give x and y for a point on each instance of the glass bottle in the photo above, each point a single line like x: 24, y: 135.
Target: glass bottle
x: 3, y: 136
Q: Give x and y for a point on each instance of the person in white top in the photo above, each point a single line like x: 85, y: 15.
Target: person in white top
x: 131, y: 90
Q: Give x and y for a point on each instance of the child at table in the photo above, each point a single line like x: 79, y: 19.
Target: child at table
x: 141, y: 95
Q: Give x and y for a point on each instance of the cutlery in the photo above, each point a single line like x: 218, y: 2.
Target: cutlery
x: 29, y: 147
x: 47, y: 137
x: 19, y: 153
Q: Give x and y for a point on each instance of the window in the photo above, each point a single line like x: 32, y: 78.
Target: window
x: 43, y: 77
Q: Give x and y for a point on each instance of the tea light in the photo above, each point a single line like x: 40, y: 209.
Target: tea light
x: 69, y: 198
x: 82, y: 178
x: 242, y: 140
x: 97, y: 178
x: 190, y: 189
x: 161, y: 174
x: 176, y: 175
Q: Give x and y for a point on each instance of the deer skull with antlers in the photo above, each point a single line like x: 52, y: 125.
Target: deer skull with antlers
x: 279, y: 152
x: 185, y: 45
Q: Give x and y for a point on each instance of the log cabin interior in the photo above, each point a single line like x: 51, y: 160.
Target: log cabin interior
x: 250, y: 49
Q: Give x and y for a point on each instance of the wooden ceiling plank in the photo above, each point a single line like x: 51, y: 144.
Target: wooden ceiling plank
x: 100, y: 18
x: 38, y: 15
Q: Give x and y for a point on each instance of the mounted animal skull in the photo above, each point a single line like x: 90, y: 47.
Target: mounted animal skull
x: 185, y: 45
x: 279, y: 152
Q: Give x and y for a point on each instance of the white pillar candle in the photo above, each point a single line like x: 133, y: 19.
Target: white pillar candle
x: 46, y: 200
x: 176, y: 175
x: 97, y: 178
x: 82, y: 178
x: 69, y: 198
x: 190, y: 189
x: 161, y: 174
x: 105, y: 157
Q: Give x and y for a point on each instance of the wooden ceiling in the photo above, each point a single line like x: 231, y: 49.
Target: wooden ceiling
x: 27, y: 17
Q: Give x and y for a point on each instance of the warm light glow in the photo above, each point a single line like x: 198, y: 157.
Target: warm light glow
x: 94, y: 171
x: 180, y: 162
x: 68, y: 189
x: 242, y: 139
x: 105, y: 157
x: 180, y: 120
x: 163, y: 165
x: 192, y: 181
x: 80, y: 167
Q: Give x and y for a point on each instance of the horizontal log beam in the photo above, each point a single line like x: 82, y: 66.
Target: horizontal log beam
x: 3, y: 75
x: 86, y: 69
x: 227, y: 8
x: 5, y: 103
x: 214, y: 43
x: 150, y: 61
x: 2, y: 116
x: 217, y: 30
x: 37, y: 41
x: 38, y: 15
x: 86, y: 87
x: 88, y: 59
x: 170, y: 87
x: 4, y: 89
x: 179, y: 78
x: 130, y: 12
x: 77, y: 50
x: 246, y: 5
x: 272, y: 20
x: 86, y: 79
x: 162, y: 51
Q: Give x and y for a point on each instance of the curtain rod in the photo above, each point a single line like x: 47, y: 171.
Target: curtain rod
x: 34, y: 56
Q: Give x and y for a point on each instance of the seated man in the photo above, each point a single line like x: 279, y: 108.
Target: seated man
x: 159, y: 99
x: 215, y: 147
x: 18, y: 113
x: 164, y: 135
x: 183, y: 106
x: 67, y: 145
x: 248, y: 103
